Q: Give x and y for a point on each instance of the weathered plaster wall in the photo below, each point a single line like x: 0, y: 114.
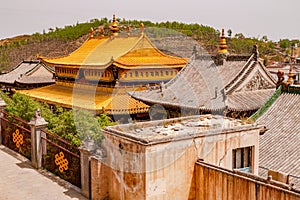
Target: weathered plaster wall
x: 122, y: 168
x: 170, y: 165
x: 164, y: 170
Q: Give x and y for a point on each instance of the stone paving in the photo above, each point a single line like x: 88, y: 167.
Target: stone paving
x: 18, y: 180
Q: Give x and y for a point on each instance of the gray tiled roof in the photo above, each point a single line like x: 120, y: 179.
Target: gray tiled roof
x: 279, y: 146
x: 29, y: 72
x: 201, y: 85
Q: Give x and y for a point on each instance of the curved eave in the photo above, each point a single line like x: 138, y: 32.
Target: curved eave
x: 145, y: 80
x: 34, y: 83
x: 127, y: 111
x: 78, y: 65
x: 248, y: 105
x: 148, y: 66
x: 150, y: 102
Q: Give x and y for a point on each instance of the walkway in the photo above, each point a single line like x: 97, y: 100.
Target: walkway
x: 18, y: 180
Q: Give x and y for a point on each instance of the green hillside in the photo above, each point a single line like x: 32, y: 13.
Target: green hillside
x: 61, y: 41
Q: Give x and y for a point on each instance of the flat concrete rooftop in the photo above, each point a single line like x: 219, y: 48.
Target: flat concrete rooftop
x: 180, y: 128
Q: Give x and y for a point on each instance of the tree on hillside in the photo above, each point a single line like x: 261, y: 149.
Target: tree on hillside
x: 264, y: 38
x: 239, y: 36
x: 4, y: 62
x: 284, y: 43
x: 229, y: 32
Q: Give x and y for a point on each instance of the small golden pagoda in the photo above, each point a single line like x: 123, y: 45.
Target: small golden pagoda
x: 109, y: 66
x: 223, y: 44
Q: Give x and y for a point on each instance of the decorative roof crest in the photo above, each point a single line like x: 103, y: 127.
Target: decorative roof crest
x: 223, y: 44
x: 114, y: 26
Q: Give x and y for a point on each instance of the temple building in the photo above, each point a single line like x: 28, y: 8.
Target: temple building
x: 279, y: 146
x: 28, y: 75
x: 98, y: 74
x: 234, y: 85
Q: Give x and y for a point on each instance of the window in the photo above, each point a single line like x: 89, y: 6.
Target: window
x: 242, y: 159
x: 156, y: 73
x: 147, y: 74
x: 161, y: 73
x: 142, y: 74
x: 171, y: 73
x: 136, y: 74
x: 130, y: 74
x: 167, y: 73
x: 152, y: 73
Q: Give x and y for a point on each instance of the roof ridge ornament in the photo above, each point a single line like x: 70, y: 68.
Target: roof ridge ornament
x: 223, y: 43
x: 114, y: 26
x: 291, y: 75
x: 91, y: 32
x: 255, y: 52
x: 142, y: 27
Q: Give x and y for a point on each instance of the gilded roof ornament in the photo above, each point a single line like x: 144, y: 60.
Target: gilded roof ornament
x: 142, y: 27
x: 223, y: 43
x: 291, y: 75
x: 114, y: 26
x: 255, y: 52
x: 91, y: 32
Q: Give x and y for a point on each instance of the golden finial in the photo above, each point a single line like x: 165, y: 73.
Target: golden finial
x: 91, y: 32
x: 114, y: 26
x: 142, y: 27
x: 223, y: 44
x: 290, y: 74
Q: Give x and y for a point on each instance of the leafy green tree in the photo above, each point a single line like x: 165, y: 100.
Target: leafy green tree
x: 21, y: 106
x: 239, y: 36
x: 284, y: 43
x: 74, y: 126
x: 4, y: 61
x: 264, y: 38
x: 229, y: 32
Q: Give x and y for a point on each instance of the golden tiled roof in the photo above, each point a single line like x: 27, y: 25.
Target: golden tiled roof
x: 125, y: 52
x: 100, y: 100
x: 145, y: 54
x: 96, y: 51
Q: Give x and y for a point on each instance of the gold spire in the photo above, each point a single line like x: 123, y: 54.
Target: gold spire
x: 91, y: 32
x: 223, y: 44
x: 291, y: 74
x: 142, y: 27
x: 114, y: 26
